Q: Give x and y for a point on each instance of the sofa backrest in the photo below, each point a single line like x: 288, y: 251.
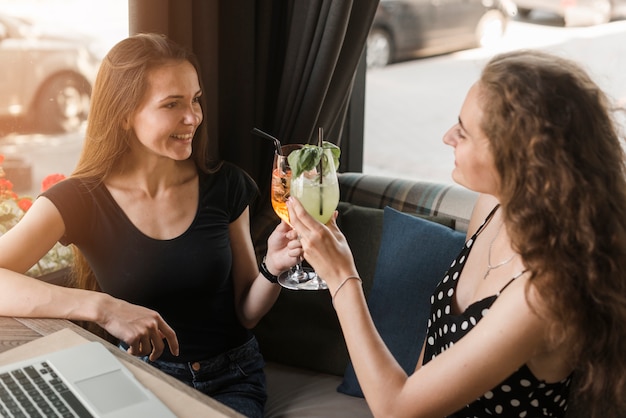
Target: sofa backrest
x: 436, y: 200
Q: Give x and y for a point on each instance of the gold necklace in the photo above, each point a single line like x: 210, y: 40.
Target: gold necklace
x: 501, y: 263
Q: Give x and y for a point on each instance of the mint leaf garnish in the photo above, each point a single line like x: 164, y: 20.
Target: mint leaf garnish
x: 308, y: 157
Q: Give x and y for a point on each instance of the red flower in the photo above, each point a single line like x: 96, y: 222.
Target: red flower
x: 51, y: 180
x: 25, y: 203
x: 5, y: 185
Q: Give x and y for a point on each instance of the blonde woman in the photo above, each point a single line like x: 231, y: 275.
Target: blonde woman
x: 162, y: 229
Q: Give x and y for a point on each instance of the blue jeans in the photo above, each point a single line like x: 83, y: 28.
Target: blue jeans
x: 234, y: 378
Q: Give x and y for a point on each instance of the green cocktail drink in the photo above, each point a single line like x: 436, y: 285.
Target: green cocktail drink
x: 314, y: 183
x: 319, y: 198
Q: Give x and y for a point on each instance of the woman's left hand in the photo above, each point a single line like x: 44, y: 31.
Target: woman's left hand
x: 325, y: 247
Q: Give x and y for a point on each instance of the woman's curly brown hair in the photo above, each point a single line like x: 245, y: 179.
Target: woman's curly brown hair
x: 558, y: 151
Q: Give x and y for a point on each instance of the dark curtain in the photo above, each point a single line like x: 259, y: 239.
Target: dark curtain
x: 286, y: 67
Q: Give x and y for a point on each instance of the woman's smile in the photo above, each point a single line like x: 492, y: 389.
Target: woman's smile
x: 183, y: 137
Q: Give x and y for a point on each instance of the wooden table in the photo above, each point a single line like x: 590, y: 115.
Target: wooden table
x: 15, y: 332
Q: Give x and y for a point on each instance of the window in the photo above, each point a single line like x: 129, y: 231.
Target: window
x: 50, y: 52
x: 409, y: 105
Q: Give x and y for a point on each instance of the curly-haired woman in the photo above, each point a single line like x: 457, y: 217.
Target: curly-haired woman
x: 543, y: 270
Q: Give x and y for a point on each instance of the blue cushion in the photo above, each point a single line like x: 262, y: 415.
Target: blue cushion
x: 414, y: 255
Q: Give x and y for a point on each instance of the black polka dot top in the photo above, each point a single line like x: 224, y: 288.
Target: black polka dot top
x: 521, y: 394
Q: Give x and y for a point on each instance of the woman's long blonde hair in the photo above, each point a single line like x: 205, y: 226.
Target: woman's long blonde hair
x: 120, y: 86
x: 561, y: 161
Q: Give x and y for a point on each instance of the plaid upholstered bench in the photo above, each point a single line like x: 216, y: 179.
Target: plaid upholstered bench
x: 300, y: 337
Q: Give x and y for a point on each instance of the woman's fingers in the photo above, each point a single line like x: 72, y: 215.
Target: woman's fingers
x: 143, y: 329
x: 299, y: 218
x: 157, y: 346
x: 153, y: 344
x: 141, y: 346
x: 170, y: 336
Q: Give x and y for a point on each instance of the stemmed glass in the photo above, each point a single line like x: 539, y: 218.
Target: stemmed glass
x: 318, y: 192
x: 281, y: 184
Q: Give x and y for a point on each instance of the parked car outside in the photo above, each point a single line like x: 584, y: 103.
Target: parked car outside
x: 45, y: 76
x: 404, y: 29
x: 576, y: 12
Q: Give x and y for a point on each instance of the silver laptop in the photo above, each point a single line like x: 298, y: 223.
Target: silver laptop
x: 81, y: 381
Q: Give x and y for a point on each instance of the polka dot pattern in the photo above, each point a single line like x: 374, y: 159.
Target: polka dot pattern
x: 521, y: 394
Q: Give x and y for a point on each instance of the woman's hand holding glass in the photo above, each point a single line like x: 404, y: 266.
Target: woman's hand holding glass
x: 283, y: 249
x: 324, y: 246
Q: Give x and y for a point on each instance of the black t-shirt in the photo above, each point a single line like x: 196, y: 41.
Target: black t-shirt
x: 186, y: 279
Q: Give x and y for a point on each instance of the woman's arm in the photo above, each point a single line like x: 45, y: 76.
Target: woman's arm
x: 254, y: 294
x: 24, y: 244
x: 33, y: 236
x: 499, y: 344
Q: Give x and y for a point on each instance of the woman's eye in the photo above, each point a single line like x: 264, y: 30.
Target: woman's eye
x: 196, y: 99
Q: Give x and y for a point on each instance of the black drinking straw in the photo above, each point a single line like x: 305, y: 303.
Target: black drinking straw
x: 320, y: 140
x: 276, y: 142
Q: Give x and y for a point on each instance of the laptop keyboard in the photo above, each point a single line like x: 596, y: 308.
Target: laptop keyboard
x: 36, y: 391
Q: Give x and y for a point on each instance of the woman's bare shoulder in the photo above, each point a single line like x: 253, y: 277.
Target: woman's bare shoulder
x: 484, y: 204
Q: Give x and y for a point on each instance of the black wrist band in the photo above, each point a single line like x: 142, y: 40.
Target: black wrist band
x: 266, y: 273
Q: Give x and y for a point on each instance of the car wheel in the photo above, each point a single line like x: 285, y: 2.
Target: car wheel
x: 379, y: 48
x: 491, y: 28
x: 62, y: 104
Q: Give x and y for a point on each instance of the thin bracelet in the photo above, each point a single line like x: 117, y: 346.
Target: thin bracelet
x: 341, y: 285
